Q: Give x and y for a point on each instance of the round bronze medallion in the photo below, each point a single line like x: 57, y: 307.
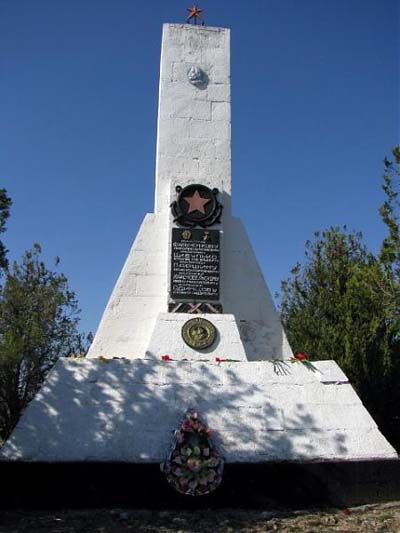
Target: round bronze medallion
x: 199, y: 333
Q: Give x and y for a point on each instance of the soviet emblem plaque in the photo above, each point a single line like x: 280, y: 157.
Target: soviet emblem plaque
x: 197, y: 77
x: 196, y: 205
x: 199, y: 333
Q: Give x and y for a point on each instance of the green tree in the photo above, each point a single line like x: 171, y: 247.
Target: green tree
x: 38, y: 324
x: 5, y: 204
x: 343, y: 303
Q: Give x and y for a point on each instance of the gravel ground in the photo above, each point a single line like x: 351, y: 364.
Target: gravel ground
x: 367, y: 518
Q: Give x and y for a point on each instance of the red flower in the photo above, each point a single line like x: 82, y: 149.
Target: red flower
x: 301, y: 356
x: 219, y: 360
x: 166, y: 358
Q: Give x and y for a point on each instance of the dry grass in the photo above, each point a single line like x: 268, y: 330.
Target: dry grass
x: 368, y: 518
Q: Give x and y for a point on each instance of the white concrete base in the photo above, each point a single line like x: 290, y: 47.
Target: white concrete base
x: 167, y: 338
x: 247, y: 297
x: 135, y: 315
x: 122, y: 410
x: 139, y: 295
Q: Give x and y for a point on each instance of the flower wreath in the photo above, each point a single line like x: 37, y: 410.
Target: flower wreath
x: 194, y: 466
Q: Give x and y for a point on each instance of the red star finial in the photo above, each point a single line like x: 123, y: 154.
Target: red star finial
x: 194, y: 13
x: 197, y: 202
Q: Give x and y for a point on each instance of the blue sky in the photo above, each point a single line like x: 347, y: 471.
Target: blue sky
x: 315, y: 108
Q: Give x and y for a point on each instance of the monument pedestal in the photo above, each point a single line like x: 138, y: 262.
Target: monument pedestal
x: 125, y: 411
x: 167, y: 339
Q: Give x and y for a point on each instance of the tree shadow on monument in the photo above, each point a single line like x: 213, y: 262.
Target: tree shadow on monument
x: 124, y: 411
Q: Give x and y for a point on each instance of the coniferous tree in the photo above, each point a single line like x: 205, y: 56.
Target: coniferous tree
x: 38, y: 324
x: 5, y: 204
x: 343, y: 303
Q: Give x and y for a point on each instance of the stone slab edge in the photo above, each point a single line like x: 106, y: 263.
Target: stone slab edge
x: 125, y: 411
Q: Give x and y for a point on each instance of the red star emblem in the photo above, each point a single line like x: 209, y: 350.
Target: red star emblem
x: 194, y: 13
x: 197, y: 202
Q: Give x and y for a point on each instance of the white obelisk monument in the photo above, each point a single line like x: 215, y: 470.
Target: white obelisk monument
x: 193, y: 147
x: 191, y: 289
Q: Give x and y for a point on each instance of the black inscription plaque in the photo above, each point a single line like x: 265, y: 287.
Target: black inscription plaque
x: 195, y: 264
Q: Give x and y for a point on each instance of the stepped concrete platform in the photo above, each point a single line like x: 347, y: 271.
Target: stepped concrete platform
x: 120, y: 410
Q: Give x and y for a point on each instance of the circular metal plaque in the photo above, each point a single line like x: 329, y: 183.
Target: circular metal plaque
x: 199, y: 333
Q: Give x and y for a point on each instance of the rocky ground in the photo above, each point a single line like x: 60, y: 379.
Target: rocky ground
x: 368, y: 518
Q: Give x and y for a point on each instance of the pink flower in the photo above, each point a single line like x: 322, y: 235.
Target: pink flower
x: 301, y: 356
x: 186, y: 425
x: 194, y: 464
x: 166, y: 358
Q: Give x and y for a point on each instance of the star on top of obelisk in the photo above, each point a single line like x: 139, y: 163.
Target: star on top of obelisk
x: 194, y: 15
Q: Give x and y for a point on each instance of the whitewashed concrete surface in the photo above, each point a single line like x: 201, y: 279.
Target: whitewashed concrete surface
x: 194, y: 122
x: 139, y: 300
x: 123, y: 410
x: 193, y: 146
x: 139, y: 295
x: 167, y: 338
x: 245, y: 294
